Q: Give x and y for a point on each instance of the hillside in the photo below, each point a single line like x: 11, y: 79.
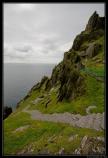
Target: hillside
x: 64, y: 114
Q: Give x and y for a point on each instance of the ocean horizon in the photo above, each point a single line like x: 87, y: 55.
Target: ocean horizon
x: 19, y: 78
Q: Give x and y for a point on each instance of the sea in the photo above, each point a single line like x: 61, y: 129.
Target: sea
x: 19, y: 78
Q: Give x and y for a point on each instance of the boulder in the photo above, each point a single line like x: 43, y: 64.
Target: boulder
x: 93, y: 50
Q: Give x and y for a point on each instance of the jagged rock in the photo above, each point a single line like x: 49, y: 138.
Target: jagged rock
x: 44, y: 79
x: 85, y: 37
x: 91, y: 145
x: 94, y: 29
x: 83, y: 141
x: 95, y: 22
x: 6, y: 112
x: 93, y: 50
x: 68, y: 83
x: 79, y: 40
x: 71, y: 84
x: 92, y: 22
x: 56, y: 73
x: 48, y: 85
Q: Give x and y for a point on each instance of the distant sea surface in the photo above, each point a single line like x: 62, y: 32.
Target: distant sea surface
x: 18, y: 79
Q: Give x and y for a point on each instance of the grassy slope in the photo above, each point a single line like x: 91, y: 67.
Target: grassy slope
x: 37, y: 135
x: 94, y: 91
x: 39, y: 132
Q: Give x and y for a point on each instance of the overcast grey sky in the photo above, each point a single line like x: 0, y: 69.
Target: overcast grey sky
x: 41, y: 33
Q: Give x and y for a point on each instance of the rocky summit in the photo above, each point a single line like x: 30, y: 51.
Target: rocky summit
x: 64, y: 114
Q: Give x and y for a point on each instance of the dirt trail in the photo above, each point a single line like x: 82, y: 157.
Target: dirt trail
x: 92, y: 121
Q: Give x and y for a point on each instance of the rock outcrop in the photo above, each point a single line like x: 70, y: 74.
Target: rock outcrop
x: 91, y: 145
x: 95, y: 22
x: 67, y: 73
x: 94, y: 29
x: 92, y: 50
x: 6, y: 112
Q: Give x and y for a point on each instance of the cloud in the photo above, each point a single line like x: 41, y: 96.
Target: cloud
x: 43, y: 32
x: 47, y: 53
x: 25, y: 6
x: 24, y: 48
x: 14, y: 53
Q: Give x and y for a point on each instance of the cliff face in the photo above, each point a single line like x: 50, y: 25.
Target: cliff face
x: 67, y: 73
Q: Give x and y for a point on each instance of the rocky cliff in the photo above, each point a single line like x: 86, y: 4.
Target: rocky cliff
x: 64, y: 114
x: 67, y: 73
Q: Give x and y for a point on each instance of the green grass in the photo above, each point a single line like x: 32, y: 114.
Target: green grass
x: 94, y: 95
x: 97, y: 71
x: 38, y: 134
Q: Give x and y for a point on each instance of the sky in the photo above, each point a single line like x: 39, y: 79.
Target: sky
x: 41, y: 33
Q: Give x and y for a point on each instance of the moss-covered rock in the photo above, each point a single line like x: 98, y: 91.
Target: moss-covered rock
x: 71, y: 84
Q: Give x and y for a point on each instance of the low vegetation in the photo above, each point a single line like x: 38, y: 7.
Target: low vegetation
x: 75, y: 84
x: 41, y: 137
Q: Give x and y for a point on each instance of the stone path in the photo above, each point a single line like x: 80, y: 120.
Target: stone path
x: 92, y: 121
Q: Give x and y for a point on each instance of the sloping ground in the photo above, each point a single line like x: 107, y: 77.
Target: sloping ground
x: 90, y: 94
x: 26, y: 136
x: 74, y: 87
x: 92, y: 121
x: 94, y: 96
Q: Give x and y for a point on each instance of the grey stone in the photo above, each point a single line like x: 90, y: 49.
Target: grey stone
x: 91, y: 145
x: 71, y: 138
x: 83, y: 142
x: 92, y: 50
